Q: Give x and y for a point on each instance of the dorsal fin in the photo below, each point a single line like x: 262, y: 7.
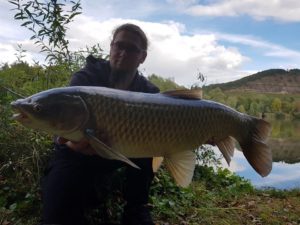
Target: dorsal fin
x: 185, y: 94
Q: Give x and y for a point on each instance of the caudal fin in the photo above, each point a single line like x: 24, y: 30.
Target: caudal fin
x: 255, y: 149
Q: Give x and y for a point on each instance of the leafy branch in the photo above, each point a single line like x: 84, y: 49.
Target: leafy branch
x: 48, y: 22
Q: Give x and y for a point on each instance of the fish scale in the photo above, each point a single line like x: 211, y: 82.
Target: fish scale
x: 142, y: 126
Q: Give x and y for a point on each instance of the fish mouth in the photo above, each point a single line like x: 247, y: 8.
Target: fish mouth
x: 19, y: 116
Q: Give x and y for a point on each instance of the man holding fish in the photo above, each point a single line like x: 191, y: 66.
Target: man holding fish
x: 69, y: 184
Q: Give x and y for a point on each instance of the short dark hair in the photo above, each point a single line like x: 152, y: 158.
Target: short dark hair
x: 134, y: 29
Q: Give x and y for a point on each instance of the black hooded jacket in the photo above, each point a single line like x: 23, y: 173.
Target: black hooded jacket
x: 97, y: 72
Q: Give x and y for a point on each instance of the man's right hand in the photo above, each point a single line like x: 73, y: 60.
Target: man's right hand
x: 82, y: 146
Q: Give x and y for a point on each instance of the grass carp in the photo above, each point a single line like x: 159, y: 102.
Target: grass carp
x: 138, y: 125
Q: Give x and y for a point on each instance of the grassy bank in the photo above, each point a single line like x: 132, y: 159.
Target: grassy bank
x: 221, y: 197
x: 219, y: 208
x: 215, y: 197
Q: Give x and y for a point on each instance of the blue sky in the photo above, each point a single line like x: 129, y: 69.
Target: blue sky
x: 225, y: 40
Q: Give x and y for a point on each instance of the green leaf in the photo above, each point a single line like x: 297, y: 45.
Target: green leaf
x: 13, y: 206
x: 18, y: 14
x: 74, y: 14
x: 28, y: 12
x: 26, y: 23
x: 27, y: 6
x: 15, y: 3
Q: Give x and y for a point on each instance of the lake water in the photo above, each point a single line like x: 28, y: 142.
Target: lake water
x: 285, y: 145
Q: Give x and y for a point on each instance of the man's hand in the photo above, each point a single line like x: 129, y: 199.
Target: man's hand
x: 81, y: 146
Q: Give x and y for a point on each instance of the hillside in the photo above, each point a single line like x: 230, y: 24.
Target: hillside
x: 268, y: 81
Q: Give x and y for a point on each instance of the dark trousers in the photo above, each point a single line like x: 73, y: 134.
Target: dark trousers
x: 68, y: 187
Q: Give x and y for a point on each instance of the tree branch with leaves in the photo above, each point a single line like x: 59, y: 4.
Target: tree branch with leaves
x: 48, y: 21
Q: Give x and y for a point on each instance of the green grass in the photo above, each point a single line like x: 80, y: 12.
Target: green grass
x: 235, y: 202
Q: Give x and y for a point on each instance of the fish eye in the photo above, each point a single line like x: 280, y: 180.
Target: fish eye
x: 37, y: 108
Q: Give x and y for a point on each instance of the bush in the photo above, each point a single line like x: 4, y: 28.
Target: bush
x: 279, y: 116
x: 296, y: 115
x: 23, y: 154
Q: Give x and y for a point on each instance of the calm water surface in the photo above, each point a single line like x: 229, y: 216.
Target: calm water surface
x: 285, y: 145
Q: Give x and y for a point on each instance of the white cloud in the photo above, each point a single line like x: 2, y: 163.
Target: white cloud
x: 238, y: 162
x: 270, y: 49
x: 282, y: 10
x: 171, y: 53
x: 10, y: 28
x: 8, y: 54
x: 106, y: 9
x: 235, y: 166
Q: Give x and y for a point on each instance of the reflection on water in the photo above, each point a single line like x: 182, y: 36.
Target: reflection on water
x: 285, y: 141
x: 285, y: 145
x: 285, y: 150
x: 286, y: 129
x: 282, y: 176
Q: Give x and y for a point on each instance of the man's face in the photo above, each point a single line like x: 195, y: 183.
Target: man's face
x: 126, y: 53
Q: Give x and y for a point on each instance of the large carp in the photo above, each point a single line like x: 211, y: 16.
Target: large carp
x: 138, y: 125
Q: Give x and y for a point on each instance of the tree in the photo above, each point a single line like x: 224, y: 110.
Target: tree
x: 20, y: 53
x: 254, y: 110
x: 276, y: 105
x: 232, y: 101
x: 245, y: 101
x: 48, y: 21
x: 287, y: 107
x: 241, y: 109
x: 217, y: 95
x: 164, y: 84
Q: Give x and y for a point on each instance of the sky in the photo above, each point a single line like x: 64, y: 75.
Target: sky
x: 223, y: 39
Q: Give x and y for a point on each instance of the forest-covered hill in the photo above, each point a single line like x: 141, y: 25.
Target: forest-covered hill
x: 267, y: 81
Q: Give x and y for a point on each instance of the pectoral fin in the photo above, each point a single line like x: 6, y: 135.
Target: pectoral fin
x: 105, y: 151
x: 181, y: 165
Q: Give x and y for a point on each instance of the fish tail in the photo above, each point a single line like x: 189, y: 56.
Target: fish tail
x: 258, y: 154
